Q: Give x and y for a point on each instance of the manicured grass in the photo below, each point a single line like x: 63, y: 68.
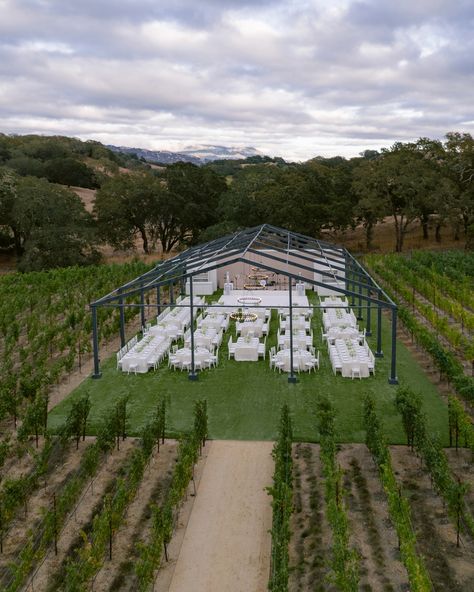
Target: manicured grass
x: 244, y: 398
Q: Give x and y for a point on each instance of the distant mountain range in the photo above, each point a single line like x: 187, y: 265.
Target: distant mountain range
x: 199, y: 154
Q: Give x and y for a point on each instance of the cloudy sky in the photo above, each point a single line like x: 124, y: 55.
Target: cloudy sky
x: 294, y: 78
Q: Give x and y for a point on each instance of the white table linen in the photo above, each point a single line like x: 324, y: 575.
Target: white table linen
x: 246, y: 350
x: 257, y: 328
x: 338, y: 318
x: 300, y: 341
x: 352, y: 355
x: 201, y: 356
x: 334, y: 301
x: 144, y: 353
x: 298, y: 323
x: 205, y: 337
x: 215, y: 320
x: 343, y: 333
x: 300, y: 358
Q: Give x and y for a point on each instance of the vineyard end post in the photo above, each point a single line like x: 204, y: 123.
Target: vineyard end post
x: 95, y: 343
x: 393, y: 368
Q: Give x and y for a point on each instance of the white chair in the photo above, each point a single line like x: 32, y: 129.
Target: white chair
x: 371, y: 365
x: 231, y: 345
x: 186, y: 365
x: 272, y: 357
x: 261, y: 350
x: 119, y: 361
x: 355, y: 372
x: 279, y: 365
x: 132, y: 368
x: 214, y: 359
x: 173, y: 362
x: 152, y: 363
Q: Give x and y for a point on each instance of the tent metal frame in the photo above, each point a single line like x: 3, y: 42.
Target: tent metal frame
x: 272, y: 245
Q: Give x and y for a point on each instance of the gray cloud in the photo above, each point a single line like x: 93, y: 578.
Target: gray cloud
x: 294, y: 78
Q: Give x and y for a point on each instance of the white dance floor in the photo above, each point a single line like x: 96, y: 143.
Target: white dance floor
x: 269, y: 299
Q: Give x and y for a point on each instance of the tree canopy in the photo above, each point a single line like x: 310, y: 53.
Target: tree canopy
x: 47, y: 224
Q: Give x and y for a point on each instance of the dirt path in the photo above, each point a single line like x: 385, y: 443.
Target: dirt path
x: 372, y: 533
x: 227, y: 542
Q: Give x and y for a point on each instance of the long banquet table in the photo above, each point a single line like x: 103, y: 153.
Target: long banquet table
x: 300, y: 340
x: 352, y: 355
x: 143, y: 353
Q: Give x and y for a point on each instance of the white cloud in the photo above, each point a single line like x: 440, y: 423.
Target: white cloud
x: 295, y: 78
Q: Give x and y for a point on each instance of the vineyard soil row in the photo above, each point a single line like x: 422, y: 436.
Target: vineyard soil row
x: 82, y: 516
x: 372, y: 532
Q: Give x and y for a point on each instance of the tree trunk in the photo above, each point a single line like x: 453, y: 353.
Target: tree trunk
x: 144, y: 239
x: 424, y: 225
x: 369, y: 234
x: 438, y: 233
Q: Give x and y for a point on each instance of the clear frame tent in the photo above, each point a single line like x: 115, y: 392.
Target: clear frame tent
x: 279, y: 251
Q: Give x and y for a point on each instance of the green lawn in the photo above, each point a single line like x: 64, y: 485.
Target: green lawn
x: 244, y: 398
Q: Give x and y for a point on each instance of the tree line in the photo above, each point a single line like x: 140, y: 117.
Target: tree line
x: 47, y: 225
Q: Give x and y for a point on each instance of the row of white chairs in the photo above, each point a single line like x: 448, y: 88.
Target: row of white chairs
x: 277, y: 364
x: 176, y: 362
x: 122, y: 351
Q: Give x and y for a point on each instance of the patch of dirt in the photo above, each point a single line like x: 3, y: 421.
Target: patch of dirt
x: 311, y: 537
x: 450, y: 568
x: 87, y: 196
x: 372, y: 532
x: 16, y: 465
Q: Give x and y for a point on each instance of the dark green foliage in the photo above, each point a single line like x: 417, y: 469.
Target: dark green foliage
x: 69, y: 171
x: 399, y: 507
x: 48, y: 223
x: 76, y: 422
x: 408, y: 404
x: 282, y: 505
x: 345, y: 563
x: 34, y: 419
x: 444, y: 359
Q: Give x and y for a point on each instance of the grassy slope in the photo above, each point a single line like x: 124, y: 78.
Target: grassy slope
x: 244, y: 398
